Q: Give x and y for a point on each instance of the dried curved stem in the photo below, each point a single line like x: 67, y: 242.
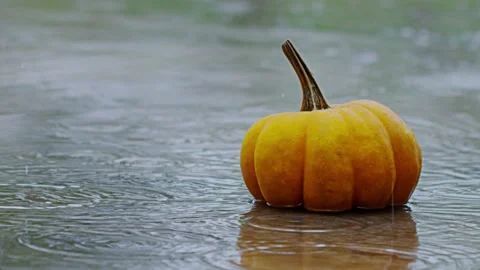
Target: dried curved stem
x: 307, y: 102
x: 312, y: 95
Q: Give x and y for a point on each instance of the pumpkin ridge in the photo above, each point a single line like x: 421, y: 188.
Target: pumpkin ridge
x: 341, y: 111
x: 390, y: 146
x: 407, y: 139
x: 418, y: 153
x: 280, y: 178
x: 388, y: 168
x: 253, y: 157
x: 391, y: 199
x: 328, y: 167
x: 305, y: 140
x: 352, y: 201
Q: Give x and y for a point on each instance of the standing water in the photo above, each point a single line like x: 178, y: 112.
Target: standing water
x: 121, y: 124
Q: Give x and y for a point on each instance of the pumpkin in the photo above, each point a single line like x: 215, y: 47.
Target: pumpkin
x: 275, y: 239
x: 358, y: 154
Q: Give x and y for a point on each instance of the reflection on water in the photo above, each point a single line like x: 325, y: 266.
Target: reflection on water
x: 293, y: 239
x: 121, y: 124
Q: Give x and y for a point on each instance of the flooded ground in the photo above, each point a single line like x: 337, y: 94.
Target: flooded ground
x: 121, y: 124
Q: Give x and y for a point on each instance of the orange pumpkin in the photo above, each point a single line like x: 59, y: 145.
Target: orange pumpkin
x: 330, y: 158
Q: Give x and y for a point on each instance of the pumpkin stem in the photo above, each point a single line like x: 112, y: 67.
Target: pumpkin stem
x: 312, y: 95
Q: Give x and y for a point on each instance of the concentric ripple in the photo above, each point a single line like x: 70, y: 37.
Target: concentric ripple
x: 44, y: 196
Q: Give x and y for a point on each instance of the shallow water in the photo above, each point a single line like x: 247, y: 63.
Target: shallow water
x: 121, y: 123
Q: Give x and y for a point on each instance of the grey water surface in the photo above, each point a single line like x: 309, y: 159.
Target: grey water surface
x: 121, y: 124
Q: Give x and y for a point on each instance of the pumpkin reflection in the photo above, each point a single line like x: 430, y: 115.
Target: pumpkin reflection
x: 294, y: 239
